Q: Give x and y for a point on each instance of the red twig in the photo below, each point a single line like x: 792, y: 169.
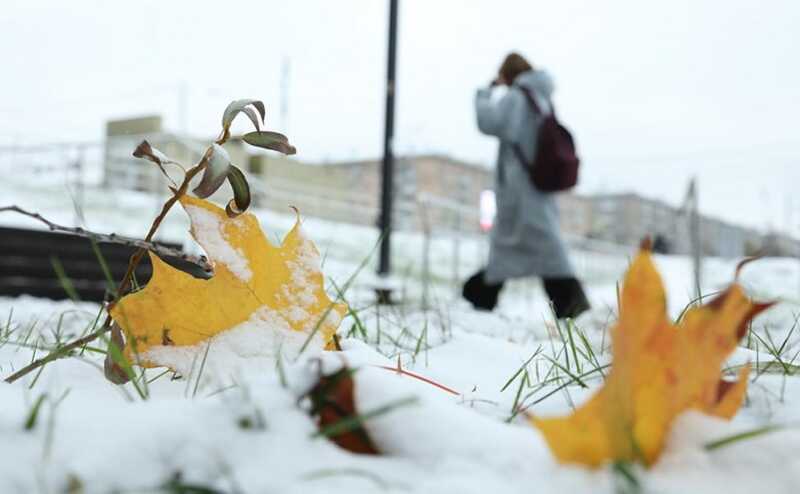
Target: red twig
x: 404, y: 372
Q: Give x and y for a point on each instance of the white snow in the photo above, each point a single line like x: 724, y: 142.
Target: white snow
x: 241, y: 424
x: 253, y: 344
x: 298, y: 295
x: 210, y: 234
x: 301, y: 270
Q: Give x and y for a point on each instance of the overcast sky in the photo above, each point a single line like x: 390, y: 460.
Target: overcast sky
x: 655, y: 93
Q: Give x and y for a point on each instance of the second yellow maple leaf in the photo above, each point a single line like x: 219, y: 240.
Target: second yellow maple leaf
x: 659, y: 370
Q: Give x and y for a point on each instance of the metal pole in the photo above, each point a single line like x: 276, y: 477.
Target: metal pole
x: 384, y: 264
x: 79, y: 189
x: 384, y: 261
x: 697, y: 244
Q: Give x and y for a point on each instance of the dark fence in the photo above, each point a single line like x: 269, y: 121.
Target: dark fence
x: 30, y: 262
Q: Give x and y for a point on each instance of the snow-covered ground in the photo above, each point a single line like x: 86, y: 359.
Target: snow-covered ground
x: 239, y: 425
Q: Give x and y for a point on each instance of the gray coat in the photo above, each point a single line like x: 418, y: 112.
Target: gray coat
x: 525, y: 240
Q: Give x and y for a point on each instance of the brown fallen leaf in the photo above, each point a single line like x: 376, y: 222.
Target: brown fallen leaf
x: 332, y: 403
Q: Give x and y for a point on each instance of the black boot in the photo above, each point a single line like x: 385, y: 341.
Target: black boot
x: 482, y: 295
x: 567, y: 297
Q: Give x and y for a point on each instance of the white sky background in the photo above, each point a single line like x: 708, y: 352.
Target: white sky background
x: 654, y: 93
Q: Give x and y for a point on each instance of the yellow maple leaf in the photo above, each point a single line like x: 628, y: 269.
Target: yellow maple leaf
x: 659, y: 370
x: 253, y: 279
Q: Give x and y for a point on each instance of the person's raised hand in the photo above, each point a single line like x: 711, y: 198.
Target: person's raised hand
x: 498, y: 81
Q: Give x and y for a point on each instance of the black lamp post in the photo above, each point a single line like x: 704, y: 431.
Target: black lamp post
x: 387, y: 171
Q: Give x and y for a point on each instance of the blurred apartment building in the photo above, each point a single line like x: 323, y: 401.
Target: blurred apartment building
x: 431, y: 191
x: 627, y: 218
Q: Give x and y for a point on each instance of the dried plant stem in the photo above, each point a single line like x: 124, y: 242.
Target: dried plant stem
x: 399, y: 369
x: 57, y: 354
x: 177, y: 194
x: 125, y: 284
x: 111, y: 238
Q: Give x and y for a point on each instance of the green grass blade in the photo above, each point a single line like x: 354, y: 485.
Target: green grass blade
x: 202, y: 368
x: 521, y: 369
x: 66, y: 283
x: 345, y: 287
x: 732, y: 439
x: 349, y: 423
x: 33, y: 415
x: 112, y: 286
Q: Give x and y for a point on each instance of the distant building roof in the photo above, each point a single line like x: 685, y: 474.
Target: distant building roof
x: 408, y: 157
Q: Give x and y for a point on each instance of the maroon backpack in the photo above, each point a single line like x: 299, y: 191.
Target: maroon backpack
x: 555, y: 166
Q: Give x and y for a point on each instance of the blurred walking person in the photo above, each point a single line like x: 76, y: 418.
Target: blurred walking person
x: 525, y: 239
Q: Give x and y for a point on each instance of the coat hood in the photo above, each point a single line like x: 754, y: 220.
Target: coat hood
x: 538, y: 81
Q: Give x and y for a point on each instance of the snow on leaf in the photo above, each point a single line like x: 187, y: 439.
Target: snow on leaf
x: 219, y: 163
x: 251, y: 276
x: 659, y: 370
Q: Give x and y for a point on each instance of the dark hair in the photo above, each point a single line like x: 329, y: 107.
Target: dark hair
x: 514, y: 65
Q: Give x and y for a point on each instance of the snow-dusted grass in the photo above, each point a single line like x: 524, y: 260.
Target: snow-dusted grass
x: 235, y: 420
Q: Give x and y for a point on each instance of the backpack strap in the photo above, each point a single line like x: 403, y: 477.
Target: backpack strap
x: 532, y: 102
x: 536, y: 109
x: 530, y: 99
